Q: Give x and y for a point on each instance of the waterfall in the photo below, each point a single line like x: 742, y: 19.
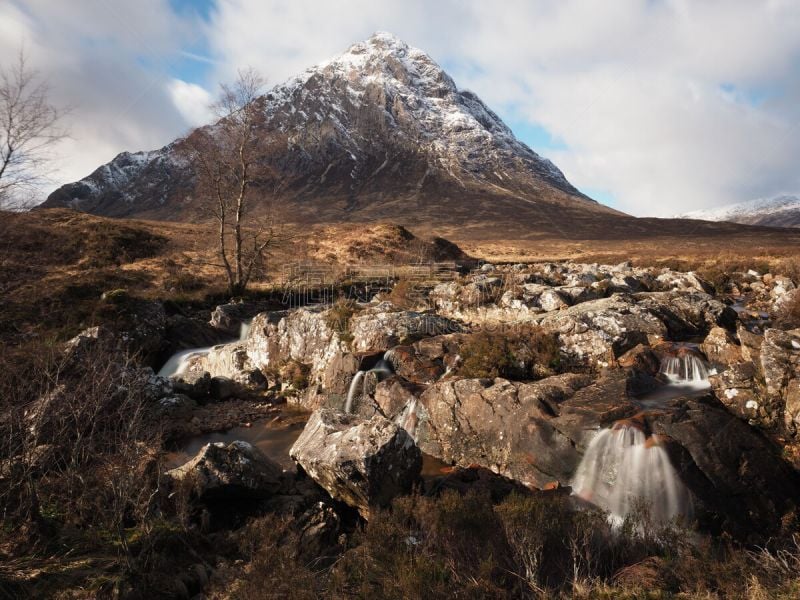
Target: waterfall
x: 244, y: 329
x: 407, y: 418
x: 688, y: 368
x: 383, y: 368
x: 179, y: 362
x: 623, y: 468
x: 351, y: 393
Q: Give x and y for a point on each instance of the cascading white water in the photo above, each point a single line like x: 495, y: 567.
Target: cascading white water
x: 244, y: 329
x: 382, y: 368
x: 179, y: 362
x: 407, y: 418
x: 624, y: 469
x: 688, y: 368
x: 351, y: 393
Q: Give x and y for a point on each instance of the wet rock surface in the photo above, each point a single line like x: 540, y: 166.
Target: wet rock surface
x: 614, y: 325
x: 530, y: 432
x: 738, y: 479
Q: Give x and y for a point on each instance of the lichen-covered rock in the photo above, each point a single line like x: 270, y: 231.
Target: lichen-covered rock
x: 721, y: 348
x: 233, y: 471
x: 737, y: 389
x: 382, y: 327
x: 687, y: 314
x: 670, y: 280
x: 306, y: 337
x: 363, y: 463
x: 228, y: 318
x: 593, y: 334
x: 780, y: 367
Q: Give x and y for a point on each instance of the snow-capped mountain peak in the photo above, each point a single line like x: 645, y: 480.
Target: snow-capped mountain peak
x: 367, y: 133
x: 778, y: 211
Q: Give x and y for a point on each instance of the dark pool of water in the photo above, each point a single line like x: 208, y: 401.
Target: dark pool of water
x: 274, y: 437
x: 670, y: 391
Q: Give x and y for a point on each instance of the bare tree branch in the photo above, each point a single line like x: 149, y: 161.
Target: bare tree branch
x: 29, y: 126
x: 230, y: 160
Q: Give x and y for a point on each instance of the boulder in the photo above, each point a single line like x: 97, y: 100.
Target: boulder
x: 643, y: 365
x: 736, y: 388
x: 306, y: 337
x: 531, y: 432
x: 593, y: 334
x: 393, y: 395
x: 551, y: 300
x: 228, y: 472
x: 363, y: 463
x: 739, y: 482
x: 687, y: 314
x: 408, y: 364
x: 228, y: 318
x: 676, y: 281
x: 780, y: 366
x: 750, y: 342
x: 720, y: 348
x: 382, y: 327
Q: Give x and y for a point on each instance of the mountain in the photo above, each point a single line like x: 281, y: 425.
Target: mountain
x: 378, y: 133
x: 779, y: 211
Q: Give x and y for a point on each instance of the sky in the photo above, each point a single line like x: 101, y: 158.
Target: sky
x: 655, y: 107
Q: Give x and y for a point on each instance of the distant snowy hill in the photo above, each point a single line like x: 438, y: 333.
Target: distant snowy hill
x: 780, y: 211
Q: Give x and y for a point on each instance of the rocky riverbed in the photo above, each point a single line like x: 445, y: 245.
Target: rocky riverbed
x: 514, y: 369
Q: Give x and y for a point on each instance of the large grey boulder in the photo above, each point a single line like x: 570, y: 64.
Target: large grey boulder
x: 764, y: 388
x: 593, y: 334
x: 227, y: 472
x: 363, y: 463
x: 381, y: 327
x: 687, y: 314
x: 721, y: 348
x: 780, y: 367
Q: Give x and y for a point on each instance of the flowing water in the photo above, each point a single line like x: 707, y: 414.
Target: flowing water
x: 358, y: 378
x: 624, y: 471
x: 383, y: 368
x: 179, y: 362
x: 687, y: 376
x: 407, y: 418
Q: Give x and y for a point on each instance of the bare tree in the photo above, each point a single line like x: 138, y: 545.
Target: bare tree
x: 231, y: 167
x: 29, y: 125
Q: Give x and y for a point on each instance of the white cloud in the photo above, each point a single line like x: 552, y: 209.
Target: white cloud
x: 670, y: 105
x: 109, y: 64
x: 633, y: 87
x: 192, y: 101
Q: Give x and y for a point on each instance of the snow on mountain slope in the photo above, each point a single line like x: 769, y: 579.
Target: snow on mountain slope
x: 779, y: 211
x: 380, y: 132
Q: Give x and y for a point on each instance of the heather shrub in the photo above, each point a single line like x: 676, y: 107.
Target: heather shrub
x: 524, y: 352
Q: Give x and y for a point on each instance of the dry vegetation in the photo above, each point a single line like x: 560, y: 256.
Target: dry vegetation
x: 521, y: 353
x: 80, y: 517
x: 465, y: 546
